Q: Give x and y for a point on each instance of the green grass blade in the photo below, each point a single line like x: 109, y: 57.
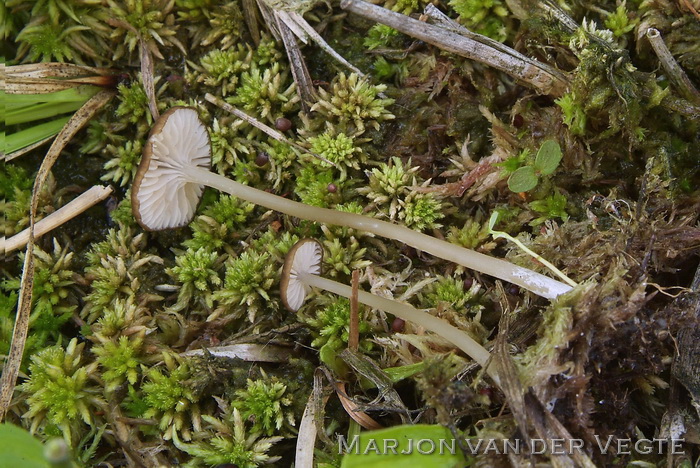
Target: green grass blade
x: 31, y: 135
x: 79, y: 93
x: 40, y: 111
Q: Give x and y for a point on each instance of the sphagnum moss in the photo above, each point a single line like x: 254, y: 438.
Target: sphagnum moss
x: 628, y: 163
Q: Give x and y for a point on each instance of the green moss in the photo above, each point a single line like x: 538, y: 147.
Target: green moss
x: 421, y: 211
x: 133, y: 103
x: 115, y: 268
x: 121, y: 168
x: 60, y: 391
x: 170, y: 400
x: 152, y: 20
x: 352, y: 103
x: 448, y: 291
x: 222, y: 68
x: 265, y: 93
x: 224, y: 26
x: 619, y: 22
x: 341, y: 258
x: 220, y: 224
x: 487, y: 17
x: 331, y: 324
x: 121, y: 361
x: 264, y: 402
x: 227, y: 442
x: 339, y: 149
x: 471, y: 235
x: 379, y: 35
x: 312, y: 187
x: 247, y: 286
x: 196, y: 271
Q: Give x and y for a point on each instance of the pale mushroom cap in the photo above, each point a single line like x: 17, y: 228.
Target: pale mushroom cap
x: 162, y: 196
x: 304, y: 258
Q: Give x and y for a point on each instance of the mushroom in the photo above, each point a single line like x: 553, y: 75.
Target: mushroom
x: 175, y: 167
x: 302, y: 270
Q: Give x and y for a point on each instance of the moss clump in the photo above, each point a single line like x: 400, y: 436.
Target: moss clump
x: 228, y: 442
x: 197, y: 273
x: 61, y: 392
x: 352, y: 104
x: 247, y: 286
x: 121, y: 360
x: 264, y: 402
x: 170, y: 400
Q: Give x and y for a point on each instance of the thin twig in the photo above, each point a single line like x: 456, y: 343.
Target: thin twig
x: 271, y: 132
x: 535, y: 76
x: 448, y: 23
x: 64, y: 214
x: 674, y: 71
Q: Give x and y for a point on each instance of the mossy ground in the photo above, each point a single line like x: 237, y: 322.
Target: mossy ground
x: 429, y: 140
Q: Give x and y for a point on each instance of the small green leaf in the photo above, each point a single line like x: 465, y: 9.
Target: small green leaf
x: 417, y: 446
x: 19, y: 448
x: 548, y: 157
x: 522, y: 180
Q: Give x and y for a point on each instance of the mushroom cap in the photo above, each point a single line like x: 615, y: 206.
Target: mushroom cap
x: 162, y: 195
x: 304, y: 257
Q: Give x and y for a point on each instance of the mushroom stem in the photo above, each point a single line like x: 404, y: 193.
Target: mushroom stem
x: 528, y: 279
x: 407, y: 312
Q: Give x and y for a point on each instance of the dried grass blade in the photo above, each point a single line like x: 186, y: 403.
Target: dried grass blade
x: 306, y: 438
x: 54, y: 69
x: 360, y: 417
x: 147, y: 78
x: 300, y: 72
x: 19, y: 335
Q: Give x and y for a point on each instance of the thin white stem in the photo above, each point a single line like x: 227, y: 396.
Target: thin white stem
x: 407, y: 312
x: 528, y: 279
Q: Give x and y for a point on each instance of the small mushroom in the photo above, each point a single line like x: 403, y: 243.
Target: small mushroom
x: 302, y: 270
x: 164, y: 195
x: 175, y: 168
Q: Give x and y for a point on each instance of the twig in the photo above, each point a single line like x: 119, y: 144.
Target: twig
x: 448, y: 23
x: 64, y: 214
x: 674, y: 71
x: 271, y: 132
x: 535, y: 76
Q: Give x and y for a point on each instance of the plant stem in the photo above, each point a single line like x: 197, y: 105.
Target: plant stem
x: 537, y: 77
x: 674, y: 71
x: 407, y: 312
x: 64, y: 214
x: 528, y: 279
